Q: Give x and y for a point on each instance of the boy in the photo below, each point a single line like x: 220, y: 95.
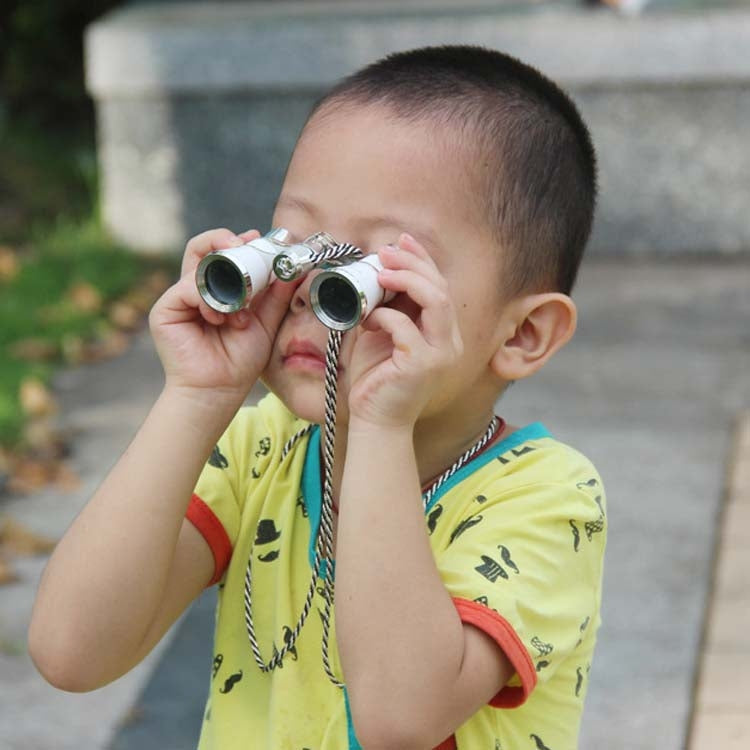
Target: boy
x: 465, y: 614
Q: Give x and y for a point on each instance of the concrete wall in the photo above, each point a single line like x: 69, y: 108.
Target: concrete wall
x: 199, y: 106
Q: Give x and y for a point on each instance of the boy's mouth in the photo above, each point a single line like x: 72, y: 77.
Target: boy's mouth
x: 301, y: 354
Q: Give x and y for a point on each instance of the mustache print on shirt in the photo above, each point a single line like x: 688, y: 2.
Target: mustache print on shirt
x: 231, y: 681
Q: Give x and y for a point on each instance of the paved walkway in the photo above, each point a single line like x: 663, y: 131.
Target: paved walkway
x: 722, y: 703
x: 651, y: 389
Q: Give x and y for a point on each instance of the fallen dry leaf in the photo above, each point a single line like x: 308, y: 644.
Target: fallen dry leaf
x: 29, y: 475
x: 34, y: 350
x: 73, y: 349
x: 112, y: 344
x: 85, y: 297
x: 35, y: 398
x: 5, y: 461
x: 142, y: 299
x: 158, y: 282
x: 43, y: 440
x: 24, y: 473
x: 7, y: 574
x: 9, y: 265
x: 125, y: 315
x: 20, y: 540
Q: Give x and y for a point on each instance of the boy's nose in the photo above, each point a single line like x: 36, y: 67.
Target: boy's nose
x: 301, y: 298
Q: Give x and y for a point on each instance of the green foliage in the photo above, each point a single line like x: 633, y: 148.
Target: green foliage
x: 49, y: 224
x: 38, y: 304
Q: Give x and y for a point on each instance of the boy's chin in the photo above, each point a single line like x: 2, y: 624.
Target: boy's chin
x: 307, y: 401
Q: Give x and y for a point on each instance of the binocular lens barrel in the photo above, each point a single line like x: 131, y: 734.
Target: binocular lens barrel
x: 338, y: 301
x: 228, y: 279
x: 224, y: 283
x: 343, y: 297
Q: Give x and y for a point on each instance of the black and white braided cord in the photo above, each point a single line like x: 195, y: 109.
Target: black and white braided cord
x: 465, y: 457
x: 338, y: 252
x: 324, y: 542
x: 325, y: 536
x: 291, y: 639
x: 293, y: 440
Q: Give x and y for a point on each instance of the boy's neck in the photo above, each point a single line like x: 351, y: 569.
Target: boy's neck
x: 437, y: 444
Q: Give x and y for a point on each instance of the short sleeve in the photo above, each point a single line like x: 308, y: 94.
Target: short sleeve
x: 525, y: 567
x: 216, y: 505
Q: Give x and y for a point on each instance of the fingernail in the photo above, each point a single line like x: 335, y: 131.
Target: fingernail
x: 406, y: 236
x: 235, y: 240
x: 243, y: 316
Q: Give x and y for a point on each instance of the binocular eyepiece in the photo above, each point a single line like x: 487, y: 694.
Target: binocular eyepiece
x: 341, y: 296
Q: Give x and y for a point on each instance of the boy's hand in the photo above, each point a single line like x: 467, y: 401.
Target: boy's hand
x: 406, y: 352
x: 204, y: 349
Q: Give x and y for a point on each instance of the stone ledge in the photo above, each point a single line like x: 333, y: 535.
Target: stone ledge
x: 199, y: 107
x: 189, y: 47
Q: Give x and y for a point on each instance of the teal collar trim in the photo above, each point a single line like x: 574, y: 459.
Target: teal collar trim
x: 311, y: 493
x: 533, y: 431
x: 353, y: 741
x: 311, y: 481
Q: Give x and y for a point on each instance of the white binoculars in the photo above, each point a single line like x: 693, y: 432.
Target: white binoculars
x: 341, y: 296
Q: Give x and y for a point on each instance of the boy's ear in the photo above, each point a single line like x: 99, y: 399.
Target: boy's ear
x: 532, y: 329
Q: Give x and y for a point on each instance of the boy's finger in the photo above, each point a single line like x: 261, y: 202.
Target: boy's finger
x: 249, y: 235
x: 181, y: 303
x: 398, y: 258
x: 407, y: 242
x: 206, y: 242
x: 239, y: 319
x: 437, y: 317
x: 188, y: 298
x: 210, y: 315
x: 404, y: 334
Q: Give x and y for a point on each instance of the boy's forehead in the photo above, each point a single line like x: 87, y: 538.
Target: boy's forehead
x: 356, y: 132
x: 380, y: 170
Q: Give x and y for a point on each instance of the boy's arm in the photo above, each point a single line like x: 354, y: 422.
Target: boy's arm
x: 414, y: 671
x: 129, y: 564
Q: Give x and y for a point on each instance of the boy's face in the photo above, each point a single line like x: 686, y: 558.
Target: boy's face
x: 365, y: 177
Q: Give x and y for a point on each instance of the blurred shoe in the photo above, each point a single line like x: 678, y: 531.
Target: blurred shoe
x: 626, y: 7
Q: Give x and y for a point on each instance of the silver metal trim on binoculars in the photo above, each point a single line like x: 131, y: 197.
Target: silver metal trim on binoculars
x: 228, y: 279
x: 343, y: 297
x: 295, y: 261
x: 340, y: 297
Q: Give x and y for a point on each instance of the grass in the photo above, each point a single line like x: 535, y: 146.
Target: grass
x: 39, y: 305
x: 67, y: 270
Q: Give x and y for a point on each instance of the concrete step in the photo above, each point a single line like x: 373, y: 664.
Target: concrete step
x: 199, y: 106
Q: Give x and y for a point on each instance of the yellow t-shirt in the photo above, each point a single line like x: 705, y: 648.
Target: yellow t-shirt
x: 518, y: 536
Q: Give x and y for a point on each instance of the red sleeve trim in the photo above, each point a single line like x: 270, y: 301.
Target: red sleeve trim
x: 449, y: 744
x: 212, y: 530
x: 502, y: 632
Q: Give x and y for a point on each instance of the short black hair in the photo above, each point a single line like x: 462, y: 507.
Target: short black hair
x: 534, y: 156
